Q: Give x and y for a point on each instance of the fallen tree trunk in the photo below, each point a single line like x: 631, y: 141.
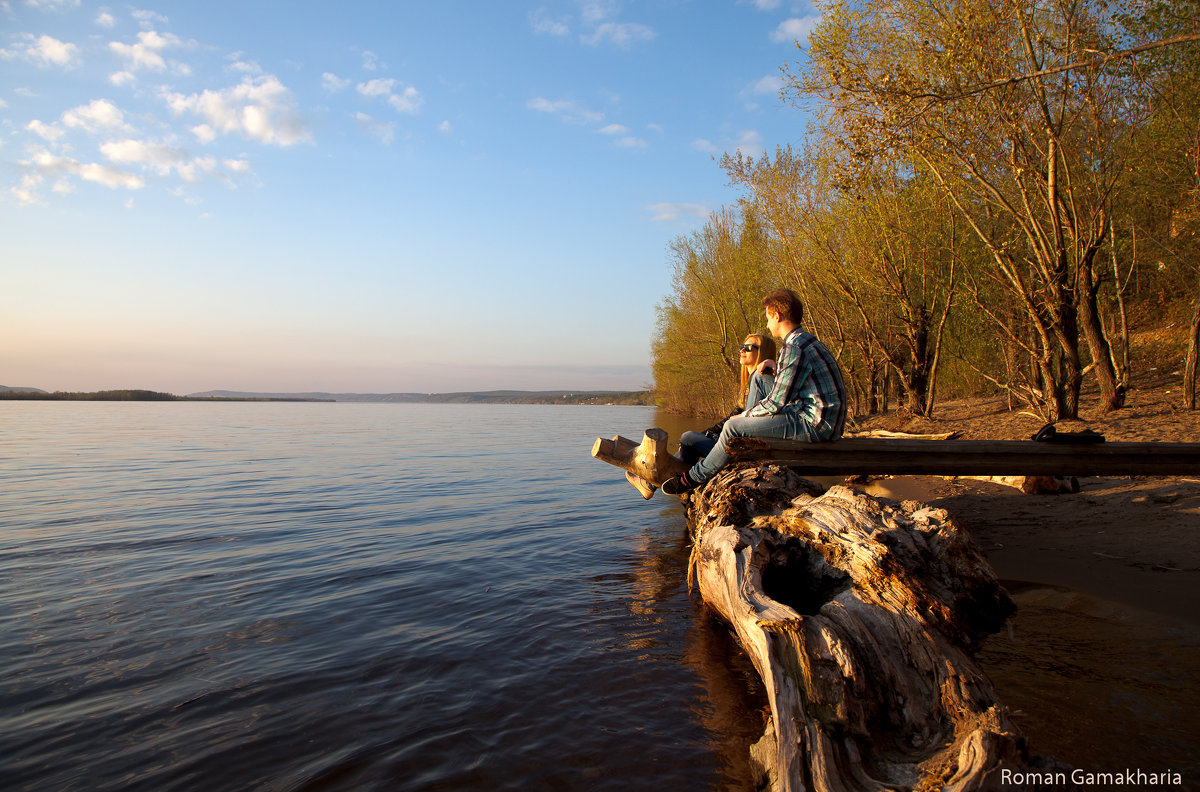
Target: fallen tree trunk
x: 889, y: 456
x: 647, y: 465
x: 862, y: 616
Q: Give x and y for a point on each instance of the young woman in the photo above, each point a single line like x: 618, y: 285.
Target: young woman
x: 757, y: 368
x: 756, y: 357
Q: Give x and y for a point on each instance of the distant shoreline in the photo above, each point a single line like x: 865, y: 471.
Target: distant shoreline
x: 628, y: 398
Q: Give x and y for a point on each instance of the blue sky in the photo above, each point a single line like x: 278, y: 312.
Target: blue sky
x: 365, y: 196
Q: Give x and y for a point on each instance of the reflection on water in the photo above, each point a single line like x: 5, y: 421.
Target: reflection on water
x: 1099, y: 685
x: 332, y: 596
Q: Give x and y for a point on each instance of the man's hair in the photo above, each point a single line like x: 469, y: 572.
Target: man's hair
x: 786, y: 303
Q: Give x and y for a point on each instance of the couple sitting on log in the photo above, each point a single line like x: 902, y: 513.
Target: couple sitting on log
x: 804, y: 400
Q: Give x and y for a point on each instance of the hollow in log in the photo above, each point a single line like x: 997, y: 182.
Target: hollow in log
x: 862, y: 616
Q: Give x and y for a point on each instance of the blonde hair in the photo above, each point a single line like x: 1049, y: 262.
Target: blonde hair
x: 766, y: 351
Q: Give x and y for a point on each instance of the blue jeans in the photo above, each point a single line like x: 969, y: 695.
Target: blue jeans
x: 785, y: 425
x: 694, y: 446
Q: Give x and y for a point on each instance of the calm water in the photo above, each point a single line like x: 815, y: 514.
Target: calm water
x: 419, y: 597
x: 341, y: 596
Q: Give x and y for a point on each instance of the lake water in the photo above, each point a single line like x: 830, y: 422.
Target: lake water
x: 294, y: 596
x: 283, y: 596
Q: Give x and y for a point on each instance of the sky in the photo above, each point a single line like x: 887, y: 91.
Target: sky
x: 366, y: 196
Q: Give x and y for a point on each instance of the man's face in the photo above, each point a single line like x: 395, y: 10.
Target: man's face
x: 773, y: 322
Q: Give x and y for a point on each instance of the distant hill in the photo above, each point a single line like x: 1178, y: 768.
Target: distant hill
x: 473, y: 397
x: 7, y: 389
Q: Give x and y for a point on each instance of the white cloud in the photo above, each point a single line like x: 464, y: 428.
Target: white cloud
x: 105, y: 20
x: 542, y: 23
x: 204, y: 133
x: 700, y: 144
x: 768, y: 85
x: 594, y: 11
x: 613, y: 129
x: 97, y: 115
x: 622, y: 34
x: 122, y: 78
x: 44, y: 51
x: 565, y: 109
x: 750, y: 144
x: 671, y: 212
x: 47, y: 132
x: 52, y: 5
x: 237, y: 165
x: 408, y: 100
x: 385, y: 131
x: 630, y: 142
x: 47, y: 164
x: 245, y: 67
x: 147, y: 52
x: 445, y: 128
x: 332, y: 83
x: 764, y: 5
x: 25, y: 194
x: 377, y: 87
x: 370, y: 61
x: 259, y: 108
x: 795, y: 29
x: 148, y: 18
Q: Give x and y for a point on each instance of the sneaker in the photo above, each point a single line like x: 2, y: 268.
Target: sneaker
x: 678, y: 485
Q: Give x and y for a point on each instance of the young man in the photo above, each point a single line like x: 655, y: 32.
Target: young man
x: 808, y: 401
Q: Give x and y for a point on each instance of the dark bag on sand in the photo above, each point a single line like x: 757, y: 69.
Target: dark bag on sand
x: 1048, y: 434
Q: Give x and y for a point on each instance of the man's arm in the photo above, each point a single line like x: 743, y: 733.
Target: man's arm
x: 789, y: 366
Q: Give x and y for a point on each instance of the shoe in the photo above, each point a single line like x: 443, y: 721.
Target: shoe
x: 677, y: 485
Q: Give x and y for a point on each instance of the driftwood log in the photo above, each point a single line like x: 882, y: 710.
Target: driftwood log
x: 862, y: 616
x: 647, y: 465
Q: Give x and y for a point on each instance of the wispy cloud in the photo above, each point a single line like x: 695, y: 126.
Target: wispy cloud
x: 750, y: 143
x: 407, y: 100
x: 146, y: 53
x: 763, y: 5
x: 260, y: 108
x: 700, y: 144
x: 622, y: 34
x: 673, y: 212
x: 332, y: 83
x: 52, y: 5
x: 768, y: 85
x: 105, y: 19
x: 795, y: 29
x: 542, y: 23
x: 385, y: 131
x: 566, y: 109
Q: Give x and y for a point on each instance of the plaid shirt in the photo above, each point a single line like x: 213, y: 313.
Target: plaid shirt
x: 809, y: 383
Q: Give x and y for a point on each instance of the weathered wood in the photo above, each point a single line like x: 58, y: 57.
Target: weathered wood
x: 887, y: 456
x: 651, y: 460
x: 862, y: 616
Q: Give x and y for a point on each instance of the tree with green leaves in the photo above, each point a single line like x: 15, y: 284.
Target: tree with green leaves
x: 1002, y: 103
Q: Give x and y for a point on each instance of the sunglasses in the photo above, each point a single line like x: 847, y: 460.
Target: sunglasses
x: 748, y: 347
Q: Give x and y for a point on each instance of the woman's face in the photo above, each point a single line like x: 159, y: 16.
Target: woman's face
x: 749, y: 353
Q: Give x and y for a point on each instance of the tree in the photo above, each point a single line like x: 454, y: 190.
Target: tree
x: 884, y: 251
x: 720, y: 276
x: 1030, y: 164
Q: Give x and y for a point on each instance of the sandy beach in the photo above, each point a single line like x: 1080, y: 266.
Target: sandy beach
x: 1102, y: 661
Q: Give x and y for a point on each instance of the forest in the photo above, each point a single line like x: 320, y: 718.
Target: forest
x: 992, y: 197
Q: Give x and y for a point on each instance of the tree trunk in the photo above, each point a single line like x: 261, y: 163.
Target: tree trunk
x: 1189, y: 370
x: 862, y: 617
x: 1112, y: 393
